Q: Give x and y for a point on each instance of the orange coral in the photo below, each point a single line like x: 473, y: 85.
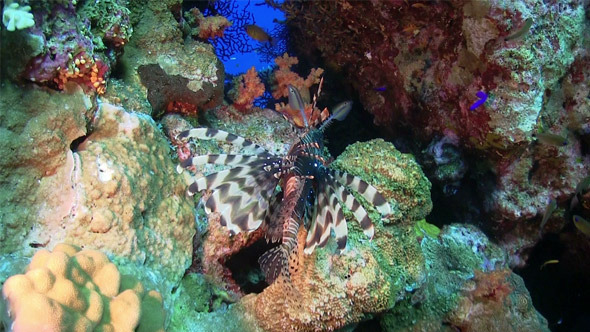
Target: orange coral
x: 285, y: 77
x: 83, y: 69
x: 248, y: 88
x: 182, y: 108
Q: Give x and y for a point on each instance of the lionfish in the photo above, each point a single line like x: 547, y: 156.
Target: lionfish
x: 282, y: 193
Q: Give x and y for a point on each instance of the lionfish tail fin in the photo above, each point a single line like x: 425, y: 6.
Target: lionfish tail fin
x: 275, y: 263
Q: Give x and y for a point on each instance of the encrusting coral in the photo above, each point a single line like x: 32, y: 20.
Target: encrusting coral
x: 73, y: 290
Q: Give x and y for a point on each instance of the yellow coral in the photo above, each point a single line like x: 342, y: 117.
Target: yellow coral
x: 73, y: 290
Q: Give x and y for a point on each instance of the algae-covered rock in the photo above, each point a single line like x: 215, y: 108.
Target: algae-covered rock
x: 174, y: 75
x: 36, y: 131
x: 468, y: 286
x: 114, y: 189
x: 395, y: 174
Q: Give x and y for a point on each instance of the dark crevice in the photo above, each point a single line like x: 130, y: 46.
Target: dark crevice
x: 76, y: 143
x: 245, y: 269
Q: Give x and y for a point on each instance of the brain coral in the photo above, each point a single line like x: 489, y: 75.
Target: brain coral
x: 73, y: 290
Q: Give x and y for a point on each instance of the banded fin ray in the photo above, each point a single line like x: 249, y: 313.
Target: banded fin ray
x: 370, y: 193
x: 319, y: 231
x: 339, y: 222
x: 223, y: 136
x: 275, y: 262
x: 355, y: 207
x: 219, y: 159
x: 242, y: 203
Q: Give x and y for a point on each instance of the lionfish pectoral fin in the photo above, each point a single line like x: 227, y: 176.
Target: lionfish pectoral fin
x: 369, y: 192
x: 319, y: 233
x: 275, y: 263
x: 355, y: 207
x: 223, y: 136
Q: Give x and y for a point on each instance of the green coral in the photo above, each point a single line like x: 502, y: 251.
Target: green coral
x: 17, y: 17
x: 423, y: 228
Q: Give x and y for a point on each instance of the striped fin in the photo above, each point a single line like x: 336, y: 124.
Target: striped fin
x: 275, y: 262
x: 214, y: 180
x: 370, y: 193
x: 339, y: 226
x: 241, y: 208
x: 219, y: 159
x: 354, y: 206
x: 222, y: 136
x: 319, y: 232
x: 227, y: 200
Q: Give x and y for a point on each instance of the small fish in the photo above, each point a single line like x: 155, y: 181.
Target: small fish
x: 580, y: 189
x: 582, y: 224
x: 548, y: 212
x: 482, y: 99
x: 296, y: 103
x: 380, y: 88
x: 551, y: 261
x: 552, y: 139
x: 257, y: 33
x: 522, y: 31
x: 583, y: 185
x: 339, y: 113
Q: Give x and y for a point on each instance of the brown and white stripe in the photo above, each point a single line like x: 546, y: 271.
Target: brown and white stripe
x: 370, y: 193
x: 222, y: 136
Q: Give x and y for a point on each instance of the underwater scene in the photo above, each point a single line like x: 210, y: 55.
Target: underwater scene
x: 289, y: 165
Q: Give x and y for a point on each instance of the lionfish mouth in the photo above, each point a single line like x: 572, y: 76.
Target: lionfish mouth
x: 311, y: 194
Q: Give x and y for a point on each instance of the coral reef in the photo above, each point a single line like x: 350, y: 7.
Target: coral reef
x: 445, y: 164
x: 235, y: 39
x: 82, y: 290
x: 423, y: 65
x: 184, y: 76
x: 59, y: 47
x: 15, y: 16
x: 468, y: 287
x: 206, y: 27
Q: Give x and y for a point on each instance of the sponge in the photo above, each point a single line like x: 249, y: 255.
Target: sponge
x: 17, y: 17
x: 73, y: 290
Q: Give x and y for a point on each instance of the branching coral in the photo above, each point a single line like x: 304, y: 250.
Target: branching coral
x: 247, y: 87
x: 285, y: 77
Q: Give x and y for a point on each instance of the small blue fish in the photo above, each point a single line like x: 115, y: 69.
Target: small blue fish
x: 380, y: 88
x: 482, y: 99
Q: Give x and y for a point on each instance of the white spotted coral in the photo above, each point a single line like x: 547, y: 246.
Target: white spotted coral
x: 73, y: 290
x: 16, y: 16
